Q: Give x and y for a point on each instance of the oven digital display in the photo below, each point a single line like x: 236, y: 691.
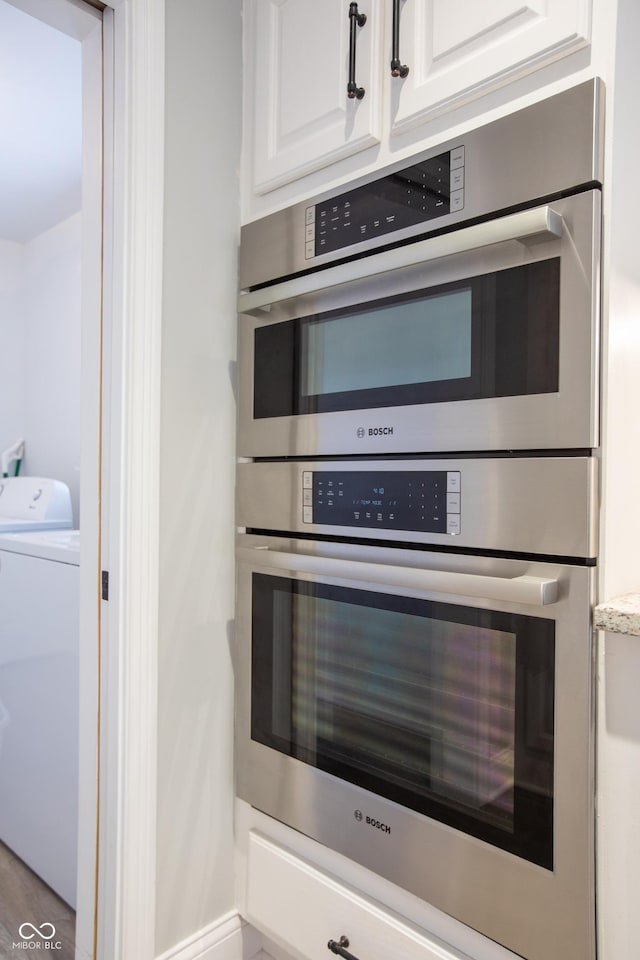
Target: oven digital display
x: 425, y: 500
x: 422, y: 192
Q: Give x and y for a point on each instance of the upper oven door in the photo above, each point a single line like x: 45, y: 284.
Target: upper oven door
x: 480, y: 339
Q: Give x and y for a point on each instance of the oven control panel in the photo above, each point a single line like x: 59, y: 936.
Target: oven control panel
x: 426, y: 501
x: 421, y: 192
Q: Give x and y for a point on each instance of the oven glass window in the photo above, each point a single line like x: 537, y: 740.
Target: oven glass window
x: 495, y: 335
x: 447, y: 710
x: 425, y: 341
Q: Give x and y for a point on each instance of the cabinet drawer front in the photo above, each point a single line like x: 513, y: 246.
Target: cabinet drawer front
x: 302, y: 909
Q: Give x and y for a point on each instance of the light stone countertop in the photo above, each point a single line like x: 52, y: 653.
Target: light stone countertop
x: 620, y: 615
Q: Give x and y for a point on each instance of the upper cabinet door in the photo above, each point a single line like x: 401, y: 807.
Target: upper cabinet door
x: 459, y: 51
x: 302, y: 117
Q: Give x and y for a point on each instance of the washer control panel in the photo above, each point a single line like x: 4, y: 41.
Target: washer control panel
x: 421, y: 500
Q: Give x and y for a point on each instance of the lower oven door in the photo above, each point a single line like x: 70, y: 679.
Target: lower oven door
x: 430, y: 717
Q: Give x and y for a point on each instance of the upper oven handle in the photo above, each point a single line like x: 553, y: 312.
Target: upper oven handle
x: 523, y: 226
x: 538, y: 591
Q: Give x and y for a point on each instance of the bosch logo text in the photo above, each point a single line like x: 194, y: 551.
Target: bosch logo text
x: 371, y: 821
x: 378, y: 824
x: 374, y: 432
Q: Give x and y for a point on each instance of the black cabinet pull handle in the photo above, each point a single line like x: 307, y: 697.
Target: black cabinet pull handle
x: 353, y: 90
x: 397, y: 69
x: 339, y: 948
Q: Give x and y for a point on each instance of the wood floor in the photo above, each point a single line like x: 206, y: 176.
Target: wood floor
x: 24, y: 898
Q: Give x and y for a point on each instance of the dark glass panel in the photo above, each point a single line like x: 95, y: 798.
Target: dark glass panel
x: 447, y: 710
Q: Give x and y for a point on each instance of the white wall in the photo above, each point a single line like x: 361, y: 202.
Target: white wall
x: 12, y: 344
x: 40, y: 352
x: 618, y: 747
x: 195, y: 686
x: 620, y: 527
x: 51, y: 304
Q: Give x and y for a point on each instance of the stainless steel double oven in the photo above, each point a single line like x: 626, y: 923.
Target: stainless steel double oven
x: 417, y: 509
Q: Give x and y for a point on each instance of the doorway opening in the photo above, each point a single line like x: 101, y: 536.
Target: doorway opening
x: 50, y: 397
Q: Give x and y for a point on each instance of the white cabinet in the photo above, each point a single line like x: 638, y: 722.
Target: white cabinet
x: 299, y: 117
x: 298, y: 52
x: 302, y: 909
x: 458, y: 51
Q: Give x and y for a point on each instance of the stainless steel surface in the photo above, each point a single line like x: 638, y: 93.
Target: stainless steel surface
x: 536, y: 505
x: 566, y: 419
x: 531, y: 154
x: 539, y: 914
x: 526, y: 226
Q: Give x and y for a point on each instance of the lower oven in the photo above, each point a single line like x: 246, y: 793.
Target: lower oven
x: 428, y: 712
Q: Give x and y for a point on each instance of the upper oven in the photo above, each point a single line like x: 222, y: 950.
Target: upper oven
x: 450, y: 304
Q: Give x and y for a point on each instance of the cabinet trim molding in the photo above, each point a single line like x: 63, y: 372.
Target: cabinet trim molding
x: 227, y: 938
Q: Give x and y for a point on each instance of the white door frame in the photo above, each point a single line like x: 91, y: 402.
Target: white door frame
x: 134, y: 141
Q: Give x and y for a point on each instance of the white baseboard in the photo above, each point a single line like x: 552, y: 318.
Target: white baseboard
x: 228, y: 938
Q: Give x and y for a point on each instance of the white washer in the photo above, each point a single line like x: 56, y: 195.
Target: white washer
x: 34, y: 503
x: 39, y: 639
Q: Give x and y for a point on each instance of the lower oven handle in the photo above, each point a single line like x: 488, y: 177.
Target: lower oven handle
x: 526, y: 225
x: 539, y: 591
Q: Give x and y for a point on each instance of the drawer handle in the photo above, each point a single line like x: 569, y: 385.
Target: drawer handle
x: 339, y: 948
x: 398, y: 69
x: 354, y: 92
